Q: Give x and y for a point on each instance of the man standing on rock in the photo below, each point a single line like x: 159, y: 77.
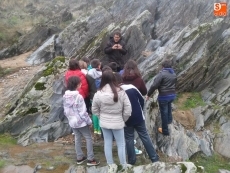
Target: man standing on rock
x: 165, y: 82
x: 115, y: 49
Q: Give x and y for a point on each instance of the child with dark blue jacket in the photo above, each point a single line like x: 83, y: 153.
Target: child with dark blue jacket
x: 136, y: 122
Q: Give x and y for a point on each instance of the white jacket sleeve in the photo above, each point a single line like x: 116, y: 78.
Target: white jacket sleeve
x: 82, y: 111
x: 127, y: 108
x: 96, y: 105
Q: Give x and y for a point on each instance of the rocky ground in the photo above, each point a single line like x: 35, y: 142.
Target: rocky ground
x: 13, y: 84
x: 49, y: 157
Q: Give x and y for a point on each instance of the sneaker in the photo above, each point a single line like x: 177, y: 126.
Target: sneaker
x: 138, y: 152
x: 160, y: 131
x: 99, y: 132
x: 93, y: 162
x: 80, y: 161
x: 95, y: 132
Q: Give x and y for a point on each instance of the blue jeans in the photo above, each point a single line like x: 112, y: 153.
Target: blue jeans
x: 108, y: 144
x: 144, y: 136
x: 166, y: 114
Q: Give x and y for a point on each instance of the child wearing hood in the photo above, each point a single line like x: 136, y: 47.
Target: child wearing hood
x: 79, y: 120
x: 94, y: 80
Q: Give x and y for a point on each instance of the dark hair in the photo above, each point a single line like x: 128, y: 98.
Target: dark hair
x: 73, y: 82
x: 118, y: 78
x: 105, y: 68
x: 131, y: 69
x: 73, y: 64
x: 113, y: 66
x: 95, y: 63
x: 167, y: 63
x: 85, y: 59
x: 109, y: 78
x: 117, y: 33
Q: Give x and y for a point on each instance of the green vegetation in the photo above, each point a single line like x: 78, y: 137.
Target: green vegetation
x: 2, y: 36
x: 52, y: 66
x: 216, y: 128
x: 183, y: 168
x: 59, y: 58
x: 2, y: 163
x: 13, y: 20
x: 48, y: 71
x: 150, y: 76
x: 6, y: 71
x: 31, y: 111
x: 6, y: 140
x: 192, y: 100
x: 211, y: 164
x: 47, y: 163
x: 60, y: 159
x: 202, y: 29
x: 40, y: 86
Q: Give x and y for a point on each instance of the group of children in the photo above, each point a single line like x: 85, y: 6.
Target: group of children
x: 84, y: 80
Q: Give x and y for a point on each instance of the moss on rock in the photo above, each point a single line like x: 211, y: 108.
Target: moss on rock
x: 31, y: 111
x: 40, y: 86
x: 51, y: 67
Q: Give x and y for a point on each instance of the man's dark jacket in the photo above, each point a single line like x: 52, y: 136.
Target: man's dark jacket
x: 165, y: 82
x: 115, y: 55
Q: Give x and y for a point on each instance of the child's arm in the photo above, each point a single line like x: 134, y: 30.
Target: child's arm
x: 127, y: 109
x: 95, y: 105
x: 82, y: 111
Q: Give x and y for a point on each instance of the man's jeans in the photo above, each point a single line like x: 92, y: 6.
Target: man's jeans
x: 166, y: 114
x: 144, y: 136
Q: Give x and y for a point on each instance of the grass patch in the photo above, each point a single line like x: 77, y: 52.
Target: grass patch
x: 6, y: 71
x: 187, y: 101
x: 13, y: 20
x: 2, y: 36
x: 216, y: 128
x: 211, y: 164
x: 6, y: 139
x: 2, y: 163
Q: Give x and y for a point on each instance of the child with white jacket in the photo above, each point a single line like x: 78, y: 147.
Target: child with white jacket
x: 111, y: 104
x: 79, y: 120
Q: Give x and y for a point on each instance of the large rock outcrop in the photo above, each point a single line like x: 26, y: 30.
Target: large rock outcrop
x: 153, y: 31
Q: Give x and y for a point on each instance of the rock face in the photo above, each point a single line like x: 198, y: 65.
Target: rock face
x: 153, y: 30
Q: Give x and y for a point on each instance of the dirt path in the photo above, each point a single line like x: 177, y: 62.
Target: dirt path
x: 16, y: 61
x: 13, y: 84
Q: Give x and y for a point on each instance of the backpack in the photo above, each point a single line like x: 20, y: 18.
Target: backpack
x: 97, y: 82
